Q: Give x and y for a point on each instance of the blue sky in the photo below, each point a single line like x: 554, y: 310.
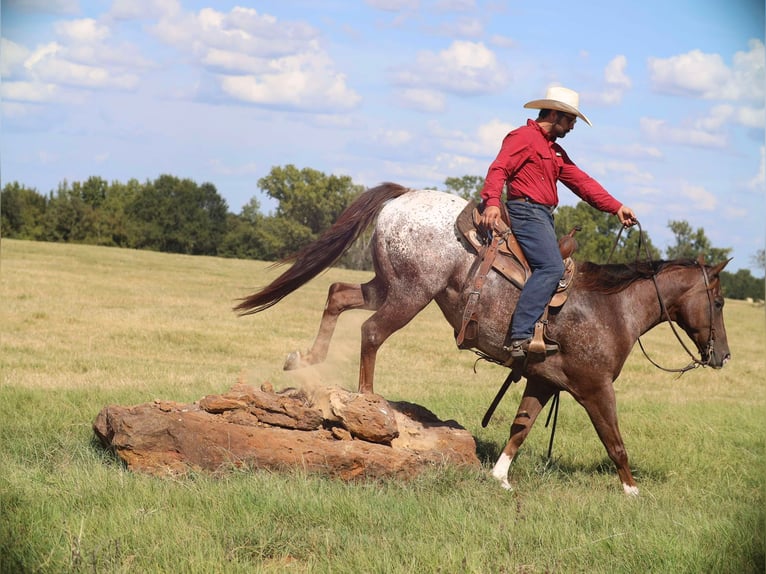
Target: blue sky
x: 393, y: 90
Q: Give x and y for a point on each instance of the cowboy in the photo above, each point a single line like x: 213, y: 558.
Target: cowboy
x: 529, y: 165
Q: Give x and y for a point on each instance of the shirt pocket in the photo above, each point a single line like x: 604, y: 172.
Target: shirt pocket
x: 549, y: 165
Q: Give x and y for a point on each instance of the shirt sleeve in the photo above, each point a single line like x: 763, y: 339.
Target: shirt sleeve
x: 584, y: 186
x: 513, y: 152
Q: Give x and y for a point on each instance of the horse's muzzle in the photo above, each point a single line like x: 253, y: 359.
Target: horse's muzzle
x: 717, y: 360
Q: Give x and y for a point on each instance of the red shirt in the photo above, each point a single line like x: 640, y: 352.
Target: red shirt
x: 531, y: 165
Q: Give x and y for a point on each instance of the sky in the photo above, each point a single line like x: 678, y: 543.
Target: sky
x: 409, y: 91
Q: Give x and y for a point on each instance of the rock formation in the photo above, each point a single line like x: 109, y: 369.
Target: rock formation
x: 329, y: 430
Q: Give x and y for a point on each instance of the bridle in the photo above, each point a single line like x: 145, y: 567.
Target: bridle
x: 705, y: 357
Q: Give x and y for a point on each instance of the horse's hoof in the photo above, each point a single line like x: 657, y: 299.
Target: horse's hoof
x: 630, y: 490
x: 503, y: 481
x: 293, y: 361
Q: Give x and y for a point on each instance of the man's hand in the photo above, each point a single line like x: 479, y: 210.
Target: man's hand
x: 626, y: 216
x: 490, y: 215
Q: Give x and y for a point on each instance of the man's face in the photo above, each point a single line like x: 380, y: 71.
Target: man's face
x: 564, y: 124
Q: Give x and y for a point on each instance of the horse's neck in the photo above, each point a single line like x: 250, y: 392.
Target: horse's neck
x: 646, y: 299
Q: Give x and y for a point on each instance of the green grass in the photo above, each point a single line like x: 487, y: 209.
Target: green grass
x: 83, y: 327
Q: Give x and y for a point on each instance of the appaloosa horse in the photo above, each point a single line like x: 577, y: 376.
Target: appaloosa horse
x: 419, y: 257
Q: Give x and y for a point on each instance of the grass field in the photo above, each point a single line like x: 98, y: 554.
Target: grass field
x: 83, y: 327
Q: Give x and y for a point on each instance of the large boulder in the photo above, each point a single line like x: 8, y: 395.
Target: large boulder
x: 330, y: 430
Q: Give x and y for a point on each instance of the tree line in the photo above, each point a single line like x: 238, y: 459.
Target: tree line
x: 176, y: 215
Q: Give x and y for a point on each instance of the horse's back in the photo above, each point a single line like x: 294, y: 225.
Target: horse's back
x: 424, y: 208
x: 420, y: 227
x: 416, y: 242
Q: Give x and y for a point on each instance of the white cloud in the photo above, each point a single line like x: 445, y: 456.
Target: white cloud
x: 483, y: 144
x: 462, y: 68
x: 304, y: 81
x: 503, y: 41
x: 699, y: 136
x: 698, y: 196
x: 242, y: 30
x: 615, y: 75
x: 455, y: 5
x: 83, y: 30
x: 32, y: 92
x: 759, y: 181
x: 48, y: 64
x: 144, y: 9
x: 634, y: 151
x: 82, y: 57
x: 12, y: 57
x: 259, y: 59
x: 629, y: 172
x: 423, y: 100
x: 707, y: 76
x: 616, y: 83
x: 60, y: 71
x: 393, y: 138
x: 393, y: 5
x: 490, y: 136
x: 462, y: 28
x: 751, y: 117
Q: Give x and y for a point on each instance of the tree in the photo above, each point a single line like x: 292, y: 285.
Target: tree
x: 741, y: 285
x: 246, y: 234
x: 178, y: 216
x: 116, y: 226
x: 93, y: 192
x: 467, y: 187
x: 759, y: 259
x: 598, y: 234
x: 309, y: 203
x: 67, y: 217
x: 22, y: 211
x: 691, y: 244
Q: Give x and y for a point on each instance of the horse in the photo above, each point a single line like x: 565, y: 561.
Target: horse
x: 419, y: 257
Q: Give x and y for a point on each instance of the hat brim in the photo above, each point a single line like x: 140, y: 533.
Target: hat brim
x: 556, y: 105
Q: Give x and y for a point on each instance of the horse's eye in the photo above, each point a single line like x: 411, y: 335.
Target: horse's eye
x: 719, y: 303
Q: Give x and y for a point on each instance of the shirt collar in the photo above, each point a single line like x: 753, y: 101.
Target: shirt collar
x: 533, y: 123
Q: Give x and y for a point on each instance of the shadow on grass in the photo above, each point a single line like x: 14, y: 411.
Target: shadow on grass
x: 566, y: 467
x: 489, y: 451
x: 107, y: 456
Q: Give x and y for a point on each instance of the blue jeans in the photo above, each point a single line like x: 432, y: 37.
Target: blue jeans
x: 532, y: 225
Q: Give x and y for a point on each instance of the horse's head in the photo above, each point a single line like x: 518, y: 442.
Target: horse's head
x: 700, y: 314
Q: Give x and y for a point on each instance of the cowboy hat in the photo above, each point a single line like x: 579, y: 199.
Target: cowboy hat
x: 561, y: 99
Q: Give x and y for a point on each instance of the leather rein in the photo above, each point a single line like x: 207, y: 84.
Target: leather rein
x: 695, y: 362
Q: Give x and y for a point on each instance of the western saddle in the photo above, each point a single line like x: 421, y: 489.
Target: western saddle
x: 501, y: 251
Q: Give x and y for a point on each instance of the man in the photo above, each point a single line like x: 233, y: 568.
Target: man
x: 529, y: 164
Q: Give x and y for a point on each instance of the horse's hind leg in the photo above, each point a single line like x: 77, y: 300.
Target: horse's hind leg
x: 341, y: 297
x: 536, y: 395
x: 393, y: 314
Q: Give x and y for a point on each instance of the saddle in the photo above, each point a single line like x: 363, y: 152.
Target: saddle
x: 501, y: 251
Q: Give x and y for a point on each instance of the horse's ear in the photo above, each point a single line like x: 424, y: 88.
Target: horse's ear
x: 718, y: 268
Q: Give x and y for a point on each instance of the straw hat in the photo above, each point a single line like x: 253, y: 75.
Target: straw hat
x: 561, y: 99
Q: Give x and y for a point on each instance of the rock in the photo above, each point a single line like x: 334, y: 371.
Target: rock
x: 334, y: 432
x: 366, y: 417
x: 278, y: 410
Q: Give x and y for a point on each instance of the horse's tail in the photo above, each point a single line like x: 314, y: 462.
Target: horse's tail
x: 322, y: 253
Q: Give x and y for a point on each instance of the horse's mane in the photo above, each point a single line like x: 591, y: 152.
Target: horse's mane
x: 614, y: 277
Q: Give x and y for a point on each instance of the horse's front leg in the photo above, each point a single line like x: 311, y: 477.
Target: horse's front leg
x: 602, y: 410
x: 536, y: 395
x: 341, y: 297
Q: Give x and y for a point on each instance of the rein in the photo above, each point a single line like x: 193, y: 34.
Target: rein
x: 695, y: 362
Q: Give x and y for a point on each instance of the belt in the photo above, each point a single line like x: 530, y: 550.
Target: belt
x: 525, y: 199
